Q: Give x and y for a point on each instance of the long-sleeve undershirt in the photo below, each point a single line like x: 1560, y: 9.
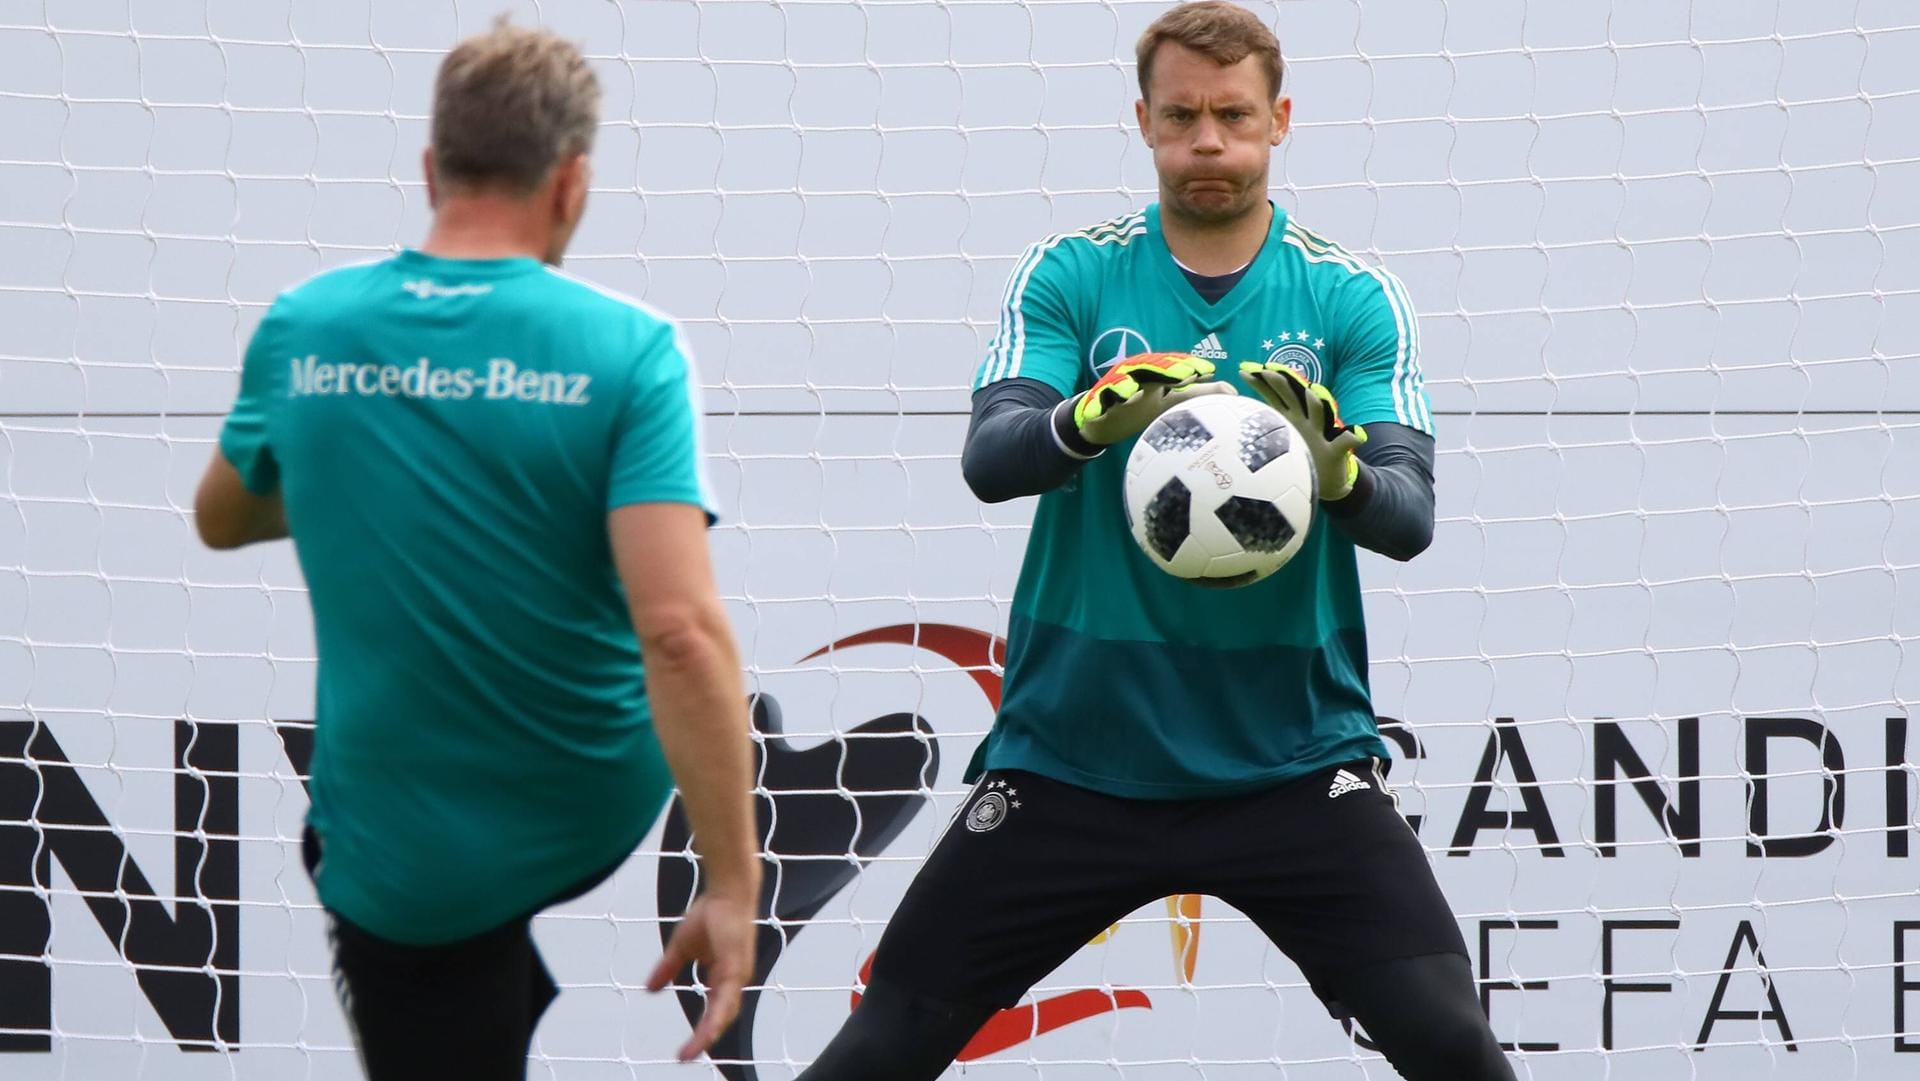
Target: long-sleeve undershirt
x: 1015, y: 447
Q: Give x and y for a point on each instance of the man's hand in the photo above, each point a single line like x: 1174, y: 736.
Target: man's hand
x: 718, y: 933
x: 1313, y: 411
x: 1132, y: 393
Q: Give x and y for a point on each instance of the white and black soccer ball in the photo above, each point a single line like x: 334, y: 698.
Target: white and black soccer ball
x: 1219, y: 491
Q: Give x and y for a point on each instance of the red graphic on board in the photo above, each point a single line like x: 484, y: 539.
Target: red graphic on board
x: 976, y: 652
x: 1009, y: 1028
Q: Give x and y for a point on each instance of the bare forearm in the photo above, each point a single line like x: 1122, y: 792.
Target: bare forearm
x: 700, y: 715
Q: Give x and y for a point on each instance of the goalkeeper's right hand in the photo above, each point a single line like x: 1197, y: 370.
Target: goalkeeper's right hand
x: 1132, y: 393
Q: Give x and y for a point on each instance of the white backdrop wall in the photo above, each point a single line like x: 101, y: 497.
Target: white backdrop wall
x: 1668, y: 260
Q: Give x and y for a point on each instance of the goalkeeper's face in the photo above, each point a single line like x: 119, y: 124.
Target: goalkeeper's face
x: 1212, y: 128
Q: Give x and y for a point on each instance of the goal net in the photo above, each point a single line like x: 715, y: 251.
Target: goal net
x: 1651, y: 686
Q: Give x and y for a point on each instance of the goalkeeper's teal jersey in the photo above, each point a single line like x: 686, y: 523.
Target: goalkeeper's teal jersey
x: 1122, y: 678
x: 449, y: 436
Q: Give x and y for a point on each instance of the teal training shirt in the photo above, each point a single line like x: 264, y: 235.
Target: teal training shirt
x: 1124, y: 679
x: 449, y: 436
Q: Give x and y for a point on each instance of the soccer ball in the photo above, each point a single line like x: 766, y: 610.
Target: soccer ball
x: 1219, y: 491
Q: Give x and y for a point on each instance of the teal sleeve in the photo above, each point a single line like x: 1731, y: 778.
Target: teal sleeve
x: 657, y: 449
x: 1376, y: 373
x: 1036, y: 338
x: 245, y: 439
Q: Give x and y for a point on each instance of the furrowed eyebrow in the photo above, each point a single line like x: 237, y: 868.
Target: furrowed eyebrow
x: 1243, y: 106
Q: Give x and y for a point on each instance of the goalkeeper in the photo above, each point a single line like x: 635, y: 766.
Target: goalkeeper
x: 474, y: 454
x: 1153, y: 737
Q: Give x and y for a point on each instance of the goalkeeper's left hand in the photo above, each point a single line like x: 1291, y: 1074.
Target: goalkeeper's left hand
x: 1314, y: 413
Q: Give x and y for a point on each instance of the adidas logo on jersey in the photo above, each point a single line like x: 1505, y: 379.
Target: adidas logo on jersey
x: 1209, y: 348
x: 1343, y: 783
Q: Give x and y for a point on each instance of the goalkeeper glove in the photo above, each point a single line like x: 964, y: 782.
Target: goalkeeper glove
x: 1314, y: 413
x: 1129, y: 396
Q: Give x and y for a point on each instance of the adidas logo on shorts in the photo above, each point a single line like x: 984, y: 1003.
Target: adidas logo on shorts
x: 1209, y: 348
x: 1343, y: 783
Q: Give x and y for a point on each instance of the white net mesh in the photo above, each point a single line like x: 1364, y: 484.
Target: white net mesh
x: 1668, y: 260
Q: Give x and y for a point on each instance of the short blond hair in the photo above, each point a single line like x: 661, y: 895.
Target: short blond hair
x: 1222, y: 32
x: 508, y: 105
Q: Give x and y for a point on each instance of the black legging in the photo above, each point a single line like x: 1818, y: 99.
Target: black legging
x: 1423, y: 1012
